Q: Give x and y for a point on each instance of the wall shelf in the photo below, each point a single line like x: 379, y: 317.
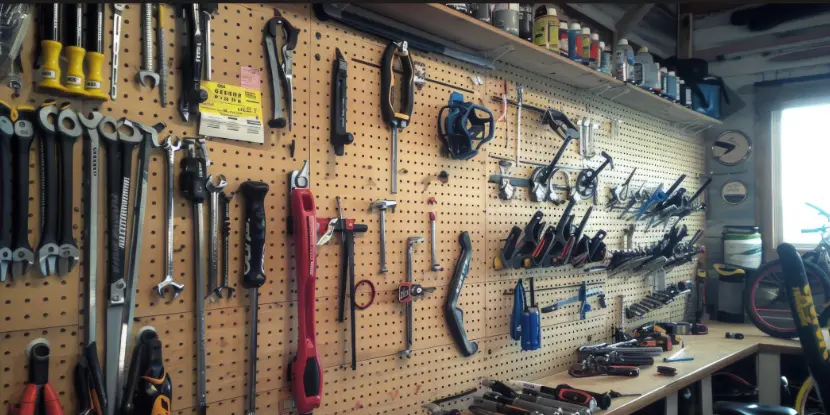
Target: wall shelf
x: 496, y: 44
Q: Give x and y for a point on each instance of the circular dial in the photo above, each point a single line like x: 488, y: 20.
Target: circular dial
x: 731, y: 148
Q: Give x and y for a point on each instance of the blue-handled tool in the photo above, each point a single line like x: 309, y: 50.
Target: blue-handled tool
x: 582, y: 297
x: 657, y: 197
x: 531, y: 323
x: 518, y: 310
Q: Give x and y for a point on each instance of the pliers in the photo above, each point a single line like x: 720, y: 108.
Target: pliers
x: 285, y: 61
x: 39, y: 397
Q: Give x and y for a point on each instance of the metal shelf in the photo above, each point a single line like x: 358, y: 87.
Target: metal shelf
x: 498, y: 45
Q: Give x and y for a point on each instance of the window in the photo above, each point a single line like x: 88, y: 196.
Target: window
x: 805, y: 175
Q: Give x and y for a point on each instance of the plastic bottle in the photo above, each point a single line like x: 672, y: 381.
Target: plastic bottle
x: 595, y: 51
x: 586, y: 46
x: 563, y: 39
x: 644, y: 70
x: 506, y: 17
x: 677, y: 89
x: 575, y: 42
x: 687, y: 94
x: 546, y: 27
x: 623, y: 61
x: 671, y: 86
x: 664, y: 81
x: 526, y: 21
x: 481, y: 11
x: 604, y: 59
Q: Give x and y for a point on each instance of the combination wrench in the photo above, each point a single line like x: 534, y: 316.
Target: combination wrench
x: 6, y: 134
x: 70, y: 130
x: 24, y: 131
x: 148, y: 70
x: 170, y: 147
x: 47, y: 251
x: 117, y: 10
x: 214, y: 292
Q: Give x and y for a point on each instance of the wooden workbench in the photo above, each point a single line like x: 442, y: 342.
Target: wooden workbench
x: 712, y: 353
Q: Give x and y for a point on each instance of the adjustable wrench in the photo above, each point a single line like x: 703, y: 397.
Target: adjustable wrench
x: 48, y: 249
x: 147, y: 47
x: 68, y: 249
x: 214, y: 293
x: 118, y: 8
x: 170, y: 147
x: 24, y: 131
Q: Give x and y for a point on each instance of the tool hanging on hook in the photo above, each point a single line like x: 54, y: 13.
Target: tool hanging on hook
x: 281, y: 67
x: 396, y: 120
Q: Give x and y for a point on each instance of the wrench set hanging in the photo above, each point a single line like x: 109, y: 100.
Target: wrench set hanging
x: 657, y: 207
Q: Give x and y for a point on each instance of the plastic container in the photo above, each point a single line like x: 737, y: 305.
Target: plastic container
x: 659, y: 80
x: 671, y: 86
x: 664, y: 79
x: 604, y: 59
x: 645, y: 73
x: 586, y: 46
x: 546, y: 27
x: 742, y: 246
x: 575, y: 42
x: 481, y: 11
x: 563, y: 39
x: 595, y: 54
x: 506, y: 17
x: 526, y: 21
x: 677, y: 89
x: 623, y: 61
x: 685, y: 95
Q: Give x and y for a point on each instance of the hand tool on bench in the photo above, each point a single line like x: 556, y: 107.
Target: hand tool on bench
x: 339, y: 137
x: 382, y: 206
x: 95, y: 15
x: 453, y: 314
x: 561, y: 392
x: 48, y: 250
x: 305, y: 371
x: 39, y: 397
x: 214, y: 293
x: 193, y: 188
x: 148, y: 139
x: 396, y: 120
x: 408, y: 292
x: 69, y: 129
x: 281, y: 65
x: 24, y: 131
x: 50, y: 46
x: 347, y: 228
x: 6, y: 224
x: 170, y: 147
x: 254, y: 274
x: 74, y: 50
x: 599, y: 365
x: 117, y: 11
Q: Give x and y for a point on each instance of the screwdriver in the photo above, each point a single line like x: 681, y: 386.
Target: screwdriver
x: 95, y: 51
x: 50, y: 71
x: 74, y: 81
x: 396, y: 120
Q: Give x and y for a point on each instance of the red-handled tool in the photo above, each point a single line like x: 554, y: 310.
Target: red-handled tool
x: 39, y: 398
x: 305, y: 372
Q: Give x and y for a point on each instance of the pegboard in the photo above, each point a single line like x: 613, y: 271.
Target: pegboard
x: 383, y: 382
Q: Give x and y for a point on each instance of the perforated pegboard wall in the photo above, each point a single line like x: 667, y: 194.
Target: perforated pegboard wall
x: 383, y: 383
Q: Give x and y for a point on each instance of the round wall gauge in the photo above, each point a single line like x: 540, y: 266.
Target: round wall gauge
x: 734, y: 192
x: 731, y: 148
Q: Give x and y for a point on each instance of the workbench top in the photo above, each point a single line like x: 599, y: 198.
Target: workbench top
x: 712, y: 352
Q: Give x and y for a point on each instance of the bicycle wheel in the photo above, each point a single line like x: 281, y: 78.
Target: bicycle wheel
x: 766, y: 303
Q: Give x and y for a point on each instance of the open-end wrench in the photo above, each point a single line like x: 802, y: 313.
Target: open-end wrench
x: 214, y: 293
x: 6, y: 133
x: 117, y: 10
x: 162, y: 45
x: 225, y: 199
x: 70, y: 130
x: 48, y: 251
x: 24, y: 131
x: 170, y: 146
x: 148, y: 70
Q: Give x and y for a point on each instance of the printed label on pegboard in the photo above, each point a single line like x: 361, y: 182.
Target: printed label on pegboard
x: 249, y: 77
x: 231, y: 112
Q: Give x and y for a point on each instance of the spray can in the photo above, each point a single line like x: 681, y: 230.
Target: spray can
x: 604, y: 59
x: 586, y: 46
x: 526, y: 21
x: 664, y: 82
x: 506, y: 17
x: 623, y: 61
x: 671, y: 86
x: 575, y: 42
x: 481, y: 11
x: 595, y: 51
x: 563, y: 39
x: 546, y: 27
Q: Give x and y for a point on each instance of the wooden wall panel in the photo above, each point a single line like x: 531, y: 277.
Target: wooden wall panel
x: 384, y: 382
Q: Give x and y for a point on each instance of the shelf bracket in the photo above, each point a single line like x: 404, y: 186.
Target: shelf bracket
x: 499, y: 52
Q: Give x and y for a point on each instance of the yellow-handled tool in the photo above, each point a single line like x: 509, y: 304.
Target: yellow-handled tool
x: 74, y: 50
x: 95, y: 51
x: 50, y: 71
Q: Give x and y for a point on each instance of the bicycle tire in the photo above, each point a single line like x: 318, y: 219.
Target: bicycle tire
x: 761, y: 318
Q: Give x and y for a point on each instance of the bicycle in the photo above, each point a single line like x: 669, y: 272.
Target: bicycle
x: 765, y: 297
